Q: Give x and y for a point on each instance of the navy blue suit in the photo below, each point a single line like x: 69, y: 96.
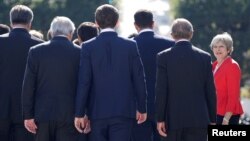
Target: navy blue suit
x: 185, y: 92
x: 111, y: 84
x: 14, y: 48
x: 49, y: 88
x: 149, y: 45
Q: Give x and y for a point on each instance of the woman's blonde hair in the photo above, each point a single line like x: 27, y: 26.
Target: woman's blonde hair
x: 226, y: 39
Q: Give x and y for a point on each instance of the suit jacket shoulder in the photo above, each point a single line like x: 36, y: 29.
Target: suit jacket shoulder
x: 200, y: 51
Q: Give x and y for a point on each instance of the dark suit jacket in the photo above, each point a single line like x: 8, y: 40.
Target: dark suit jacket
x: 185, y: 92
x: 14, y: 49
x: 50, y: 81
x: 149, y: 44
x: 112, y: 76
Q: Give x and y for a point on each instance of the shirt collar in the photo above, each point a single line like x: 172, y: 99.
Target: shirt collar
x: 146, y: 30
x: 180, y: 40
x: 107, y: 30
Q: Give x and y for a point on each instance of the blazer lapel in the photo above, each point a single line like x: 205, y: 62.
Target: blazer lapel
x: 219, y: 70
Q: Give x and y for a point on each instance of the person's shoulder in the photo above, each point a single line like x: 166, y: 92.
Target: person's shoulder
x: 165, y: 52
x: 38, y: 47
x: 164, y: 38
x: 6, y: 35
x: 76, y: 47
x: 232, y: 63
x: 90, y: 41
x: 126, y: 41
x: 35, y: 39
x: 200, y: 51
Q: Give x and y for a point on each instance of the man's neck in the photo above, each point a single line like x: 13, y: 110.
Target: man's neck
x: 145, y: 30
x: 20, y: 26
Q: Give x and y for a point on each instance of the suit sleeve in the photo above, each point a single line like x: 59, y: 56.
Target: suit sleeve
x: 139, y: 81
x: 84, y: 83
x: 29, y: 86
x: 161, y: 91
x: 210, y: 92
x: 233, y: 77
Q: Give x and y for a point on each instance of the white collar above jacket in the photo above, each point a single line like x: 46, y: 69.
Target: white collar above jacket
x: 107, y: 30
x: 146, y: 30
x: 180, y: 40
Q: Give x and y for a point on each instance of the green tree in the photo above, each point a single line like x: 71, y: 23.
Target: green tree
x: 210, y: 17
x: 45, y: 10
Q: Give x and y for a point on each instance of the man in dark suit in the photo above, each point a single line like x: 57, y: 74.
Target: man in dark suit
x: 111, y: 82
x: 14, y: 48
x: 149, y: 45
x: 50, y: 84
x: 185, y: 92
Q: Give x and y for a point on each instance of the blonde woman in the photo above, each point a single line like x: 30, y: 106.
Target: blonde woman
x: 227, y: 76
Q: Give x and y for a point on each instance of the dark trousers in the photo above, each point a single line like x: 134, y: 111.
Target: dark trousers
x: 56, y: 131
x: 13, y: 131
x: 187, y: 134
x: 111, y: 129
x: 147, y: 131
x: 83, y: 137
x: 234, y: 120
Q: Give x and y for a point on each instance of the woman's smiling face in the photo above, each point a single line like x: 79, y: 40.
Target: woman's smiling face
x: 220, y: 50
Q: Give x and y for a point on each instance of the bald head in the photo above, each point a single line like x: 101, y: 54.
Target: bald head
x: 182, y: 29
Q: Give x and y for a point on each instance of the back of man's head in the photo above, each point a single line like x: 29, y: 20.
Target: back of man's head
x: 61, y: 26
x: 182, y: 29
x: 106, y: 16
x: 87, y: 30
x: 4, y: 29
x: 144, y: 18
x: 21, y: 14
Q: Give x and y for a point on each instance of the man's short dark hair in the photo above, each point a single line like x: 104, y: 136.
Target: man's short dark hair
x: 106, y: 16
x: 87, y: 30
x: 143, y: 18
x: 21, y: 14
x: 4, y: 29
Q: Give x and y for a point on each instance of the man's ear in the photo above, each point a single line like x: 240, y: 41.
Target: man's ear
x: 117, y: 24
x: 29, y: 26
x: 70, y: 36
x: 79, y: 39
x: 172, y: 34
x: 153, y: 24
x: 191, y: 35
x: 137, y: 27
x: 97, y: 25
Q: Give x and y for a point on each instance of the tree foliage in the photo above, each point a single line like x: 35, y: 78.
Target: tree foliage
x: 45, y: 10
x: 210, y: 17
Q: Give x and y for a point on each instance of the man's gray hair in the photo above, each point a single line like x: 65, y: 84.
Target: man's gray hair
x: 61, y: 26
x: 182, y: 29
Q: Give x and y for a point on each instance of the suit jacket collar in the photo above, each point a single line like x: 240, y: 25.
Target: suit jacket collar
x: 146, y: 33
x: 107, y: 30
x: 186, y: 44
x: 147, y: 30
x: 19, y: 30
x: 107, y: 34
x: 61, y: 38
